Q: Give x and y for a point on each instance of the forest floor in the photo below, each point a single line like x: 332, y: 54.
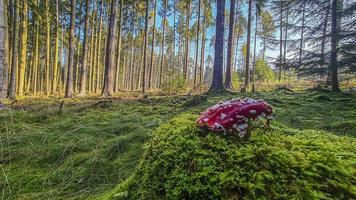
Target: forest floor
x: 94, y: 144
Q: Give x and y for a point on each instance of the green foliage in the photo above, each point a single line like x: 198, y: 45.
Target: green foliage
x: 174, y: 84
x: 235, y: 80
x: 263, y: 71
x: 321, y: 97
x: 184, y: 162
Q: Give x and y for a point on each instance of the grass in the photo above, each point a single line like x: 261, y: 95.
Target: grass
x: 96, y: 144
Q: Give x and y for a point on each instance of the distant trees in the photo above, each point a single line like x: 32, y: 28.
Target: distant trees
x: 312, y: 38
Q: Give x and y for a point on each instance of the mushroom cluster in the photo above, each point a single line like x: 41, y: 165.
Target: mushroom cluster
x: 235, y: 115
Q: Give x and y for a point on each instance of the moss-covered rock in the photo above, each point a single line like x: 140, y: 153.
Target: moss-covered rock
x: 184, y: 162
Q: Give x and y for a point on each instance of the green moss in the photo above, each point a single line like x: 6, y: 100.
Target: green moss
x: 181, y: 163
x: 321, y: 97
x: 92, y: 147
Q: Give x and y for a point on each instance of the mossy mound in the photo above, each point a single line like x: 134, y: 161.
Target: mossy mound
x: 184, y: 162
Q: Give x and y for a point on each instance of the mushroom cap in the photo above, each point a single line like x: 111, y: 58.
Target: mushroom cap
x: 233, y: 114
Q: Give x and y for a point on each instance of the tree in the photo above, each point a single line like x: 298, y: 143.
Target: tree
x: 186, y: 59
x: 12, y: 86
x: 110, y: 53
x: 48, y: 47
x: 164, y: 23
x: 84, y: 71
x: 230, y: 46
x: 152, y: 45
x: 118, y: 54
x: 145, y: 49
x: 69, y: 85
x: 56, y: 46
x: 267, y: 29
x: 3, y: 49
x: 217, y: 82
x: 23, y: 50
x: 336, y: 6
x: 247, y: 63
x: 197, y: 45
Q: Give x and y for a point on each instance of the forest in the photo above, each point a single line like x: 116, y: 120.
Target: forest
x: 177, y: 99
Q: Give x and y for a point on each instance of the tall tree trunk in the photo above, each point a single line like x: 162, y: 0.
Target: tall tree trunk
x: 254, y: 54
x: 3, y: 48
x: 92, y: 48
x: 12, y: 86
x: 302, y: 36
x: 197, y: 46
x: 84, y: 71
x: 108, y: 88
x: 69, y: 86
x: 174, y: 36
x: 23, y: 44
x: 202, y: 53
x: 280, y: 42
x: 56, y: 46
x: 36, y: 53
x: 48, y: 48
x: 323, y: 41
x: 285, y: 39
x: 335, y: 12
x: 152, y: 45
x: 230, y: 46
x: 60, y: 74
x: 145, y: 50
x: 97, y: 55
x: 163, y: 43
x: 217, y: 82
x: 118, y: 53
x: 186, y: 61
x: 4, y: 62
x: 247, y: 63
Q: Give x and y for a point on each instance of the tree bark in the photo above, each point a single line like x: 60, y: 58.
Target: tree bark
x: 186, y: 61
x: 118, y: 53
x: 23, y: 50
x: 56, y: 46
x: 335, y: 6
x: 280, y: 42
x: 230, y: 46
x: 197, y: 46
x: 247, y: 63
x: 12, y: 86
x: 163, y: 43
x: 69, y: 86
x: 152, y: 45
x: 217, y: 82
x: 145, y: 50
x: 48, y: 48
x: 254, y: 54
x: 302, y: 36
x: 97, y: 54
x: 110, y: 53
x: 84, y: 71
x: 4, y: 62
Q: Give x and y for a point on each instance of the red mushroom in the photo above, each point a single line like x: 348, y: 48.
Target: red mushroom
x: 235, y: 115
